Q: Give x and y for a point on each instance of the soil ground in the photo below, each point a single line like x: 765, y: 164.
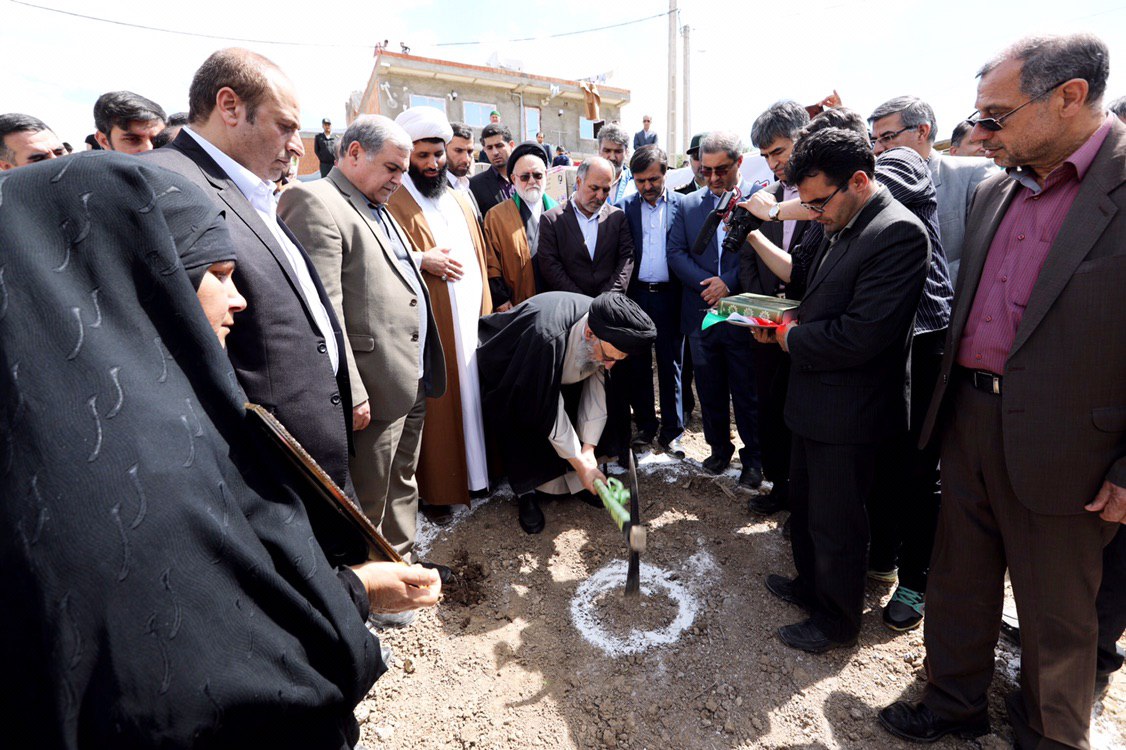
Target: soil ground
x: 508, y: 659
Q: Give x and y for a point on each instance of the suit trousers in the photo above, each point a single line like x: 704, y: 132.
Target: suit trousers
x: 903, y: 514
x: 1054, y: 564
x: 772, y: 376
x: 722, y: 358
x: 663, y: 307
x: 326, y: 167
x: 829, y: 486
x: 1110, y: 605
x: 383, y: 471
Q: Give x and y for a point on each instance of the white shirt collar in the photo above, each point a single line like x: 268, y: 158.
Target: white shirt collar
x: 257, y: 191
x: 579, y: 213
x: 458, y: 183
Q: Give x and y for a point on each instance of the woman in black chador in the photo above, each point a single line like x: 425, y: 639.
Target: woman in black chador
x: 160, y: 586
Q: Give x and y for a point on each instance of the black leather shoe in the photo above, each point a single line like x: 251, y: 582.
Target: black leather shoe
x: 439, y: 515
x: 531, y: 517
x: 714, y: 464
x: 589, y: 498
x: 642, y: 438
x: 750, y: 477
x: 767, y: 505
x: 917, y: 723
x: 444, y: 573
x: 785, y: 589
x: 806, y: 636
x: 672, y: 447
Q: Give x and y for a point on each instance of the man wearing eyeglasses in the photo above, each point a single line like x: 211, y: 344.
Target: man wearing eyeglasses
x: 909, y: 121
x: 848, y: 358
x: 645, y: 136
x: 721, y: 355
x: 512, y: 228
x: 1029, y: 405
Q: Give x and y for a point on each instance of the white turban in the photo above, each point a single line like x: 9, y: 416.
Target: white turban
x: 425, y: 122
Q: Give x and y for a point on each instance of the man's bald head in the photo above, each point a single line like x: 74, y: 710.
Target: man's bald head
x: 594, y: 181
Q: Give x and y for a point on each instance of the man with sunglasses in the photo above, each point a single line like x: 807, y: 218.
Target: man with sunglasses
x: 512, y: 228
x: 909, y: 121
x: 848, y: 351
x: 721, y: 355
x: 1029, y: 405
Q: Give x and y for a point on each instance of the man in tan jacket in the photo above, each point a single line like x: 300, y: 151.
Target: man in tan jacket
x: 394, y: 355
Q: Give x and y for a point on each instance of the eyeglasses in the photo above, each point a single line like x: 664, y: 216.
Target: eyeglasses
x: 993, y: 124
x: 720, y: 172
x: 887, y: 138
x: 608, y: 361
x: 819, y: 206
x: 530, y: 176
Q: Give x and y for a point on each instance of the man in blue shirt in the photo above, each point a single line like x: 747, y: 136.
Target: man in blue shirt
x: 656, y: 290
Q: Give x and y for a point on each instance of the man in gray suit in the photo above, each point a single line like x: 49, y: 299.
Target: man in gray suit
x: 909, y: 121
x: 1031, y: 402
x: 393, y: 354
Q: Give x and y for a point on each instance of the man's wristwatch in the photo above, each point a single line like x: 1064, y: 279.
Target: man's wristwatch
x: 774, y: 211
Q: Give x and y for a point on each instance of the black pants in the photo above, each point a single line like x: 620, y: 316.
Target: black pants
x: 829, y: 486
x: 725, y: 379
x: 326, y: 167
x: 772, y: 377
x: 688, y: 399
x: 661, y: 302
x: 1111, y: 605
x: 904, y: 510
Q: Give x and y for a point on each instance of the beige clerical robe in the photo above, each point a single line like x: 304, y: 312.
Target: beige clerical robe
x: 509, y: 257
x: 443, y: 475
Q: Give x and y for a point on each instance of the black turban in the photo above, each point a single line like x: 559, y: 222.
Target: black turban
x: 618, y: 320
x: 525, y: 148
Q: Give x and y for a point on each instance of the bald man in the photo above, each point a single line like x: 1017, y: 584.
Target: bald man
x: 585, y: 245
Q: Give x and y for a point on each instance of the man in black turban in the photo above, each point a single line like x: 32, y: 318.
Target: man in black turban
x: 543, y: 371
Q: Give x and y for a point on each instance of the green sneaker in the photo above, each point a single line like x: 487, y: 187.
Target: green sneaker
x: 905, y: 609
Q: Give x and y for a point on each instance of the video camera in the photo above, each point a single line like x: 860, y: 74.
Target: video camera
x: 740, y: 223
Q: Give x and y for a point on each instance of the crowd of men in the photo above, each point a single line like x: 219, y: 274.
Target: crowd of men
x: 426, y: 333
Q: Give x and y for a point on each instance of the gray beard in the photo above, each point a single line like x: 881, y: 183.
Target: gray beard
x: 527, y: 197
x: 588, y: 363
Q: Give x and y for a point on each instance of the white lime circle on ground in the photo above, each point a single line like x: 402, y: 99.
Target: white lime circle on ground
x: 613, y: 576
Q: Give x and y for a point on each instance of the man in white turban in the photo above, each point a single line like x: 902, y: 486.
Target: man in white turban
x: 442, y: 226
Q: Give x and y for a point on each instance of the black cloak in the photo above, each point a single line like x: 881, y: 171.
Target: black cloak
x: 160, y: 586
x: 520, y: 360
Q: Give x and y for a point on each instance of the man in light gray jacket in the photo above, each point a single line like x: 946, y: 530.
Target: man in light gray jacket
x: 909, y: 121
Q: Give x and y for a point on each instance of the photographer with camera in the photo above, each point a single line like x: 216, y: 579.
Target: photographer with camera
x: 774, y: 134
x: 721, y: 354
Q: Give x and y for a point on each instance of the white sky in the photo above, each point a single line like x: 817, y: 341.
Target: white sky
x: 744, y: 55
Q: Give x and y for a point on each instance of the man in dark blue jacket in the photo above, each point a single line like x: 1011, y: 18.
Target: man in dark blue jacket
x: 650, y: 213
x: 721, y: 355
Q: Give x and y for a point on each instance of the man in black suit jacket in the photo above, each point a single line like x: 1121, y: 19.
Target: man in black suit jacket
x: 585, y: 245
x: 773, y: 134
x: 494, y: 185
x: 286, y: 349
x: 848, y: 351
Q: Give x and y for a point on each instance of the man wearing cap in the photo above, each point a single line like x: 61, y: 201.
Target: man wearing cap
x: 324, y: 145
x: 694, y: 160
x: 543, y: 381
x: 512, y: 228
x: 442, y: 227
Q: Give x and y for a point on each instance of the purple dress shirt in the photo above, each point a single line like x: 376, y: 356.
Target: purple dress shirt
x: 1016, y: 255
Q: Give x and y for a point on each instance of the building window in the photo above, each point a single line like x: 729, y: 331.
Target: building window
x: 586, y: 129
x: 437, y: 102
x: 531, y: 122
x: 476, y: 114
